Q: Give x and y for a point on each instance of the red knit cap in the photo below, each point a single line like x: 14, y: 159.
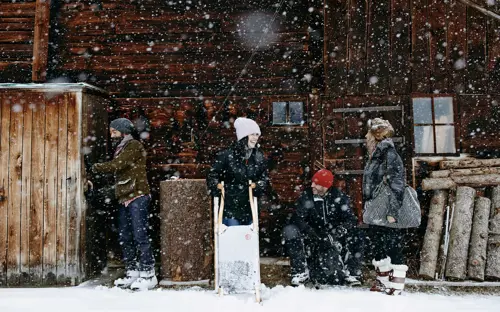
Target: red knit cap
x: 324, y: 178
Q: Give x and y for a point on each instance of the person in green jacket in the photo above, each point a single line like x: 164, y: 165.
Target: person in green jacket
x: 132, y: 192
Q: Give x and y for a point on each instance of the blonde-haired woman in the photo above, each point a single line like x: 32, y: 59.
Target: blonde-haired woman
x: 385, y: 166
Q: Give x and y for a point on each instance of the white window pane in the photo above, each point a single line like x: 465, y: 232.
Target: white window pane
x: 445, y: 139
x: 422, y: 110
x: 443, y: 110
x: 424, y: 139
x: 279, y: 113
x: 296, y: 112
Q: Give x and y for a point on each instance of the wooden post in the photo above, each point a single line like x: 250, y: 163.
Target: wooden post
x: 456, y: 263
x: 41, y: 40
x: 432, y: 238
x: 479, y: 239
x: 464, y: 172
x: 186, y: 252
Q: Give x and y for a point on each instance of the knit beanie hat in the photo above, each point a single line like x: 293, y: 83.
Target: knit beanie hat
x: 323, y: 177
x: 123, y: 125
x: 245, y: 127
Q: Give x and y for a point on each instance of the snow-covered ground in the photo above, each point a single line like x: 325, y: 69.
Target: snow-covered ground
x: 76, y: 299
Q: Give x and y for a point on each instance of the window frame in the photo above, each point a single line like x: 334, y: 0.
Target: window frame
x: 288, y: 100
x: 455, y: 123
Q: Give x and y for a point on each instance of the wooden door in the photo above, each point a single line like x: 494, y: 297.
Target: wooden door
x: 344, y: 130
x: 40, y: 176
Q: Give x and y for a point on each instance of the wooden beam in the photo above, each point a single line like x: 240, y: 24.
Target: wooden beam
x: 481, y: 9
x: 453, y: 182
x: 469, y: 163
x: 41, y: 40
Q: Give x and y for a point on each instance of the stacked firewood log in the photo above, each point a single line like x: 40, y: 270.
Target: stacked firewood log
x: 462, y: 240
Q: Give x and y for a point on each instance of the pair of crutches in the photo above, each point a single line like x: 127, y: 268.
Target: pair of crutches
x: 219, y: 228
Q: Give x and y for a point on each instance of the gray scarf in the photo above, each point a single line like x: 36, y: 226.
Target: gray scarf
x: 127, y: 138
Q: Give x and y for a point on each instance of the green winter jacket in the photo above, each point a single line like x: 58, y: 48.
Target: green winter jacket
x: 129, y: 168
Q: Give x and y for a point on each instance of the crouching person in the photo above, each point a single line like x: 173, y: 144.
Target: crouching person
x: 322, y: 240
x: 133, y: 194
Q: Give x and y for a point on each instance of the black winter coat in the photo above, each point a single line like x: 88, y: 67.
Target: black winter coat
x: 231, y: 167
x: 385, y: 161
x: 331, y: 214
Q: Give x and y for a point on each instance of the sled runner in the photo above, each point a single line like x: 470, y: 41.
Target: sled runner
x: 236, y: 256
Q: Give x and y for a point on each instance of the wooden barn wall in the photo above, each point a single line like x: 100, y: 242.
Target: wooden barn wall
x: 17, y: 23
x: 157, y: 49
x: 399, y: 47
x: 183, y: 139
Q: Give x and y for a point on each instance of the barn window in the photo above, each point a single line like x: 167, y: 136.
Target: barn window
x: 288, y: 113
x: 434, y: 125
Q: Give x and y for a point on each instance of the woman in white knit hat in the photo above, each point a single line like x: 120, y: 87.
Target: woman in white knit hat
x: 242, y: 161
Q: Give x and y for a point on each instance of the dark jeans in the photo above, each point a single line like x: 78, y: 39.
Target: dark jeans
x: 134, y: 238
x: 306, y: 253
x: 388, y: 242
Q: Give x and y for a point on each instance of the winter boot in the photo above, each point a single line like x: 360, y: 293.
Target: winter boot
x: 130, y: 277
x: 352, y: 281
x: 300, y: 278
x: 147, y: 280
x: 397, y: 279
x: 383, y: 269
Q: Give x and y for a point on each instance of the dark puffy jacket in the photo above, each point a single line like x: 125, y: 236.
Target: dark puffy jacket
x: 331, y: 214
x: 231, y: 167
x: 385, y: 161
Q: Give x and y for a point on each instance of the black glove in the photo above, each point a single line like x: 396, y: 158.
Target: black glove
x: 215, y: 192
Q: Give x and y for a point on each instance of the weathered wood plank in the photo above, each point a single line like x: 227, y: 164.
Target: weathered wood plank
x: 31, y: 99
x: 41, y: 40
x: 37, y: 193
x: 493, y: 61
x: 15, y: 36
x: 377, y: 64
x: 356, y: 77
x: 476, y: 52
x: 15, y: 190
x: 73, y: 168
x: 5, y: 111
x: 336, y: 43
x: 438, y: 46
x: 457, y: 45
x: 50, y: 193
x: 62, y: 212
x: 400, y: 49
x: 420, y: 47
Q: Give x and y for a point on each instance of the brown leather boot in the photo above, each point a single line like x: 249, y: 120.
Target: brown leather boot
x: 383, y: 269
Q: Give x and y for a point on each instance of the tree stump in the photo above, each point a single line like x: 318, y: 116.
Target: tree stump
x: 432, y: 238
x: 479, y: 239
x: 456, y: 263
x: 492, y: 271
x: 186, y: 230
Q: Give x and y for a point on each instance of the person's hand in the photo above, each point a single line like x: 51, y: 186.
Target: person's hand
x: 391, y: 219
